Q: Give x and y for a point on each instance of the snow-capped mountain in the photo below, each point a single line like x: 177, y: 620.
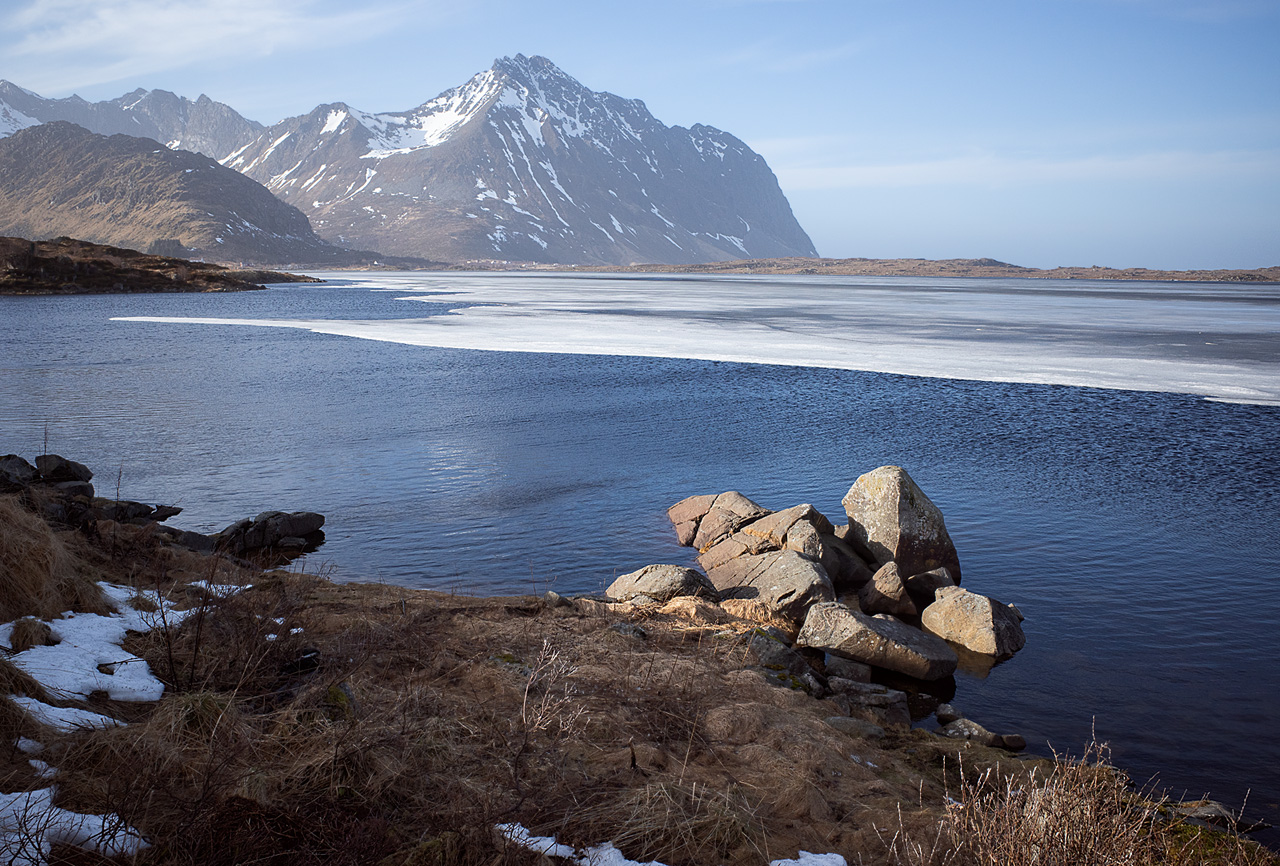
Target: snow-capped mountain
x: 524, y: 163
x: 520, y: 163
x: 203, y: 126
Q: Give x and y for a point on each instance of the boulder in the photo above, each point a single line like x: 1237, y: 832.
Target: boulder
x: 727, y: 513
x: 882, y: 643
x: 965, y: 729
x: 767, y: 648
x: 886, y: 593
x: 268, y: 531
x: 847, y: 669
x: 845, y: 568
x: 661, y: 583
x: 976, y: 622
x: 891, y: 519
x: 776, y: 526
x: 923, y: 587
x: 72, y: 489
x: 16, y: 473
x: 732, y: 547
x: 786, y: 582
x: 55, y: 468
x: 687, y: 513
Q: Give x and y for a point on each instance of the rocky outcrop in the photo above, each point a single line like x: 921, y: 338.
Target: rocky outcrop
x: 891, y: 520
x: 881, y: 642
x: 661, y: 583
x: 272, y: 532
x: 976, y: 622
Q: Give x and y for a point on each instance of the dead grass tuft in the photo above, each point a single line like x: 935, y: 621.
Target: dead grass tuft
x: 1083, y: 812
x: 15, y: 681
x: 28, y: 632
x: 39, y: 576
x: 677, y: 824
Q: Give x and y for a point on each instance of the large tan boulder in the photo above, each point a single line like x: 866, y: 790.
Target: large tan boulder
x: 738, y: 544
x: 891, y: 519
x: 879, y: 642
x: 776, y: 526
x: 661, y: 583
x: 976, y: 622
x: 886, y: 593
x: 726, y: 514
x: 786, y: 582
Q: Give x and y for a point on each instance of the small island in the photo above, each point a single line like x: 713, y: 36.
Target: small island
x: 65, y: 266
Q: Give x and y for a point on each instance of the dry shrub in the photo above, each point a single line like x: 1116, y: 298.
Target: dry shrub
x: 1084, y: 813
x: 677, y: 824
x: 28, y: 632
x: 15, y: 681
x: 39, y: 576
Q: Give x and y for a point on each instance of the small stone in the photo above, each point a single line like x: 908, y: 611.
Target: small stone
x: 1013, y: 742
x: 966, y: 729
x: 553, y: 599
x: 661, y: 583
x: 946, y: 714
x: 629, y: 629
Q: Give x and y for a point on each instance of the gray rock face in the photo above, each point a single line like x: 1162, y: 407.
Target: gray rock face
x: 53, y: 467
x: 883, y: 643
x: 15, y: 472
x: 976, y: 622
x: 661, y: 583
x: 892, y: 520
x: 522, y: 162
x: 886, y: 593
x: 845, y: 568
x: 784, y: 580
x: 202, y: 126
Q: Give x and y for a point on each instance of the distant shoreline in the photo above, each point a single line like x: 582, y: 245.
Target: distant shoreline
x: 857, y: 267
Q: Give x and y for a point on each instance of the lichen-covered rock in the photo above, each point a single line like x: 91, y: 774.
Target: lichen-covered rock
x: 976, y: 622
x: 883, y: 643
x: 891, y: 519
x: 786, y: 582
x: 661, y: 583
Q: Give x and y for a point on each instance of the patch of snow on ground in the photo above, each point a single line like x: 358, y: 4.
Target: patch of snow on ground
x: 598, y: 855
x: 806, y: 858
x: 30, y: 825
x: 64, y: 719
x: 88, y: 640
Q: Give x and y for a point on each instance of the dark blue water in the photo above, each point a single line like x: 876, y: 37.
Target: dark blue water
x: 1138, y: 532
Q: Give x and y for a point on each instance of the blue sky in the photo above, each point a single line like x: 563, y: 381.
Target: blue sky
x: 1041, y: 132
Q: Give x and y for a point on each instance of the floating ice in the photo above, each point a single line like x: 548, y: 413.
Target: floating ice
x: 1219, y: 341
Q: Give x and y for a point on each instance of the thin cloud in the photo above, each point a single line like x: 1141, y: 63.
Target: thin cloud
x: 992, y: 170
x: 56, y: 45
x: 774, y: 56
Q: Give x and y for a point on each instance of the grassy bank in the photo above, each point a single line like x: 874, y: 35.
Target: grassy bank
x: 306, y: 721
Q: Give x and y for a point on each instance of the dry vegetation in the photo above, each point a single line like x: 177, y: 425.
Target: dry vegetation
x: 397, y: 727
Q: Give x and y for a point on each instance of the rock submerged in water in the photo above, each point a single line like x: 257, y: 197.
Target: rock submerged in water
x: 891, y: 520
x: 976, y: 622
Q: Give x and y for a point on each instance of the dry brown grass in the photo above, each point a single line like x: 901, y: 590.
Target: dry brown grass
x: 1083, y: 813
x: 39, y: 576
x: 15, y: 681
x: 28, y: 632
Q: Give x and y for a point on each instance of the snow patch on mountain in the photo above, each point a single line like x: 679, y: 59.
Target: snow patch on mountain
x: 11, y: 120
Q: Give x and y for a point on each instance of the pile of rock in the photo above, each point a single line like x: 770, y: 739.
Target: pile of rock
x: 61, y: 490
x: 879, y: 592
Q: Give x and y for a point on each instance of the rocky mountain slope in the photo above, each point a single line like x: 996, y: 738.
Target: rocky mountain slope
x: 59, y: 179
x: 520, y: 163
x: 524, y: 163
x: 203, y: 126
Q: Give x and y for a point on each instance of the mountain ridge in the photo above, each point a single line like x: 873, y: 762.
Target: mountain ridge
x: 520, y: 162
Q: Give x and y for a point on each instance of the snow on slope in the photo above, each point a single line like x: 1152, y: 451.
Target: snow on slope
x: 11, y: 120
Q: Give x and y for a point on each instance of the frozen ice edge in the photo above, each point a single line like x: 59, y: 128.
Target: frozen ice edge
x: 507, y: 329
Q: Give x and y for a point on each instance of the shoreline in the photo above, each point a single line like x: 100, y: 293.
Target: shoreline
x: 542, y: 702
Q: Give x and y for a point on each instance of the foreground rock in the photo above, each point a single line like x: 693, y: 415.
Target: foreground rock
x: 272, y: 532
x: 784, y: 581
x: 883, y: 643
x: 661, y: 583
x: 891, y: 520
x: 976, y: 622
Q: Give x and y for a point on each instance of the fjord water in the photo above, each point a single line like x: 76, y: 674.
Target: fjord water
x: 1137, y: 529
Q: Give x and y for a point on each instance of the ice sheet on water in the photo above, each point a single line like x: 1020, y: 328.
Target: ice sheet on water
x: 1033, y: 331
